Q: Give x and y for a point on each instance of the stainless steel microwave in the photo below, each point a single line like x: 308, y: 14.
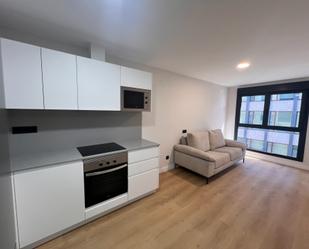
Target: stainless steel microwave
x: 135, y: 99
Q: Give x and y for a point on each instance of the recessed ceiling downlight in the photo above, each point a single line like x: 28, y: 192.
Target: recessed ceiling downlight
x: 243, y: 65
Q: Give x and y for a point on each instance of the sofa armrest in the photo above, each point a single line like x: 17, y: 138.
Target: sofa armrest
x: 233, y: 143
x: 186, y: 149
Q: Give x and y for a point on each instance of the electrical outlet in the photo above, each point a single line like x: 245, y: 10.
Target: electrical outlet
x: 24, y: 129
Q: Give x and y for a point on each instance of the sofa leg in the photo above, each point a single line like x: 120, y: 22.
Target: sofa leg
x: 206, y: 180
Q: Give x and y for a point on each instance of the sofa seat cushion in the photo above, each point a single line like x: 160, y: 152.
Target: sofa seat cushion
x: 199, y: 140
x: 234, y: 152
x: 216, y: 139
x: 219, y: 158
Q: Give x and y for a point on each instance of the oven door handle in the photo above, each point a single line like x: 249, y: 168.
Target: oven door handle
x: 105, y: 171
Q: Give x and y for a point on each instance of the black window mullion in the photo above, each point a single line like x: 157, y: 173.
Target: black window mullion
x: 270, y: 127
x: 302, y: 125
x: 266, y: 110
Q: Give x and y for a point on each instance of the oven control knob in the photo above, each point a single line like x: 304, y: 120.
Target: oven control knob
x: 107, y: 163
x: 114, y: 161
x: 100, y: 164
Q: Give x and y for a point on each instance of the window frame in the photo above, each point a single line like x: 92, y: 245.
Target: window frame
x: 268, y: 90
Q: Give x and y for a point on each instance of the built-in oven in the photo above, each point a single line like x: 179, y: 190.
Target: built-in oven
x: 105, y: 177
x: 135, y: 99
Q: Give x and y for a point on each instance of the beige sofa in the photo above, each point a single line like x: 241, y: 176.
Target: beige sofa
x: 208, y: 153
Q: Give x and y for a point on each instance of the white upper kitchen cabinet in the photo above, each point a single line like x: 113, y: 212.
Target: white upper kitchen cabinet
x: 59, y: 80
x: 98, y: 85
x: 21, y: 74
x: 136, y: 78
x: 48, y: 200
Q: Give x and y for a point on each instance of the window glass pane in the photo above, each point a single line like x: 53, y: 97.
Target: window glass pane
x: 297, y: 117
x: 284, y: 109
x: 286, y: 96
x: 258, y: 117
x: 276, y: 142
x: 251, y: 111
x: 294, y: 151
x: 256, y: 144
x: 280, y: 149
x: 272, y: 118
x: 242, y: 117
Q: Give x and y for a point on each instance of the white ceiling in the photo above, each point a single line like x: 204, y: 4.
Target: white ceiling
x: 204, y: 39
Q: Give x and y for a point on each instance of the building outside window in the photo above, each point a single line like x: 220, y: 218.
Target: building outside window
x: 284, y: 109
x: 252, y: 109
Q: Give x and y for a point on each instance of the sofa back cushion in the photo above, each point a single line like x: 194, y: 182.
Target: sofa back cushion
x: 199, y: 140
x: 216, y: 139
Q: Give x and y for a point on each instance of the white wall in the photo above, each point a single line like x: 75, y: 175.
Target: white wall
x: 54, y: 43
x: 229, y: 133
x: 178, y: 103
x: 230, y: 112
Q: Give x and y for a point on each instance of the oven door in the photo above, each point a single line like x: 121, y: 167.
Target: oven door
x: 104, y: 184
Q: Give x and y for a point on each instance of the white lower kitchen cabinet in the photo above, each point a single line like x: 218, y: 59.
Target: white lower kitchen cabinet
x: 143, y: 183
x: 143, y: 154
x: 51, y: 199
x: 143, y: 166
x: 48, y: 200
x: 143, y: 172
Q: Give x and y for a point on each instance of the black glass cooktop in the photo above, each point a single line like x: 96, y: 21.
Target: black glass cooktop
x: 99, y: 149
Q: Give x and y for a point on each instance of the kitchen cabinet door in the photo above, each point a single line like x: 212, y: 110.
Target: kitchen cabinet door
x: 48, y: 200
x: 136, y: 78
x: 59, y: 80
x: 21, y: 75
x: 143, y: 183
x: 98, y: 85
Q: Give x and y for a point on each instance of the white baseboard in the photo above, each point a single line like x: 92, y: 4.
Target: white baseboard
x: 278, y: 160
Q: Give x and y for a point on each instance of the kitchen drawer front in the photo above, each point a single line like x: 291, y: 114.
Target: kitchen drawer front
x: 106, y: 205
x: 144, y: 154
x: 140, y: 167
x: 143, y: 183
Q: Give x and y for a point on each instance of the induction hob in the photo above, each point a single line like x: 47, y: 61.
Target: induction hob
x: 99, y: 149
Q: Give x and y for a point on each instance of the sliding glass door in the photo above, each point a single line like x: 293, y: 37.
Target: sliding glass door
x: 273, y: 119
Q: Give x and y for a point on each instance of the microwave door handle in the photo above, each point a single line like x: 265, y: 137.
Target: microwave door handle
x: 105, y: 171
